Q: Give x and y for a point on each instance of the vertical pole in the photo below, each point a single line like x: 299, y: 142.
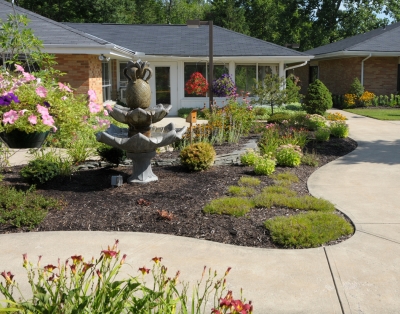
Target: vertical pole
x: 211, y: 63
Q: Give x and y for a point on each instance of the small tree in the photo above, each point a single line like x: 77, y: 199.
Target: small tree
x: 271, y: 91
x: 356, y: 88
x: 318, y: 98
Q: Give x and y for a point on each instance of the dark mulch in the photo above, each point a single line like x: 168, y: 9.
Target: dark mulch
x: 92, y: 204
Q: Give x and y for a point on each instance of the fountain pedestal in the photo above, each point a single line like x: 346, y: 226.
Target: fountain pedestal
x: 141, y: 167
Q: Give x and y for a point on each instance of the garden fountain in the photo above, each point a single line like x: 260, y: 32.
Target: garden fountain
x: 140, y: 140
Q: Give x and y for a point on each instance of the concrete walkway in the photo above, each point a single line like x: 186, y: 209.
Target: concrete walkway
x: 360, y: 275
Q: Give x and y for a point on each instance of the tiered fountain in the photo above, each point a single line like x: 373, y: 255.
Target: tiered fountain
x: 140, y: 140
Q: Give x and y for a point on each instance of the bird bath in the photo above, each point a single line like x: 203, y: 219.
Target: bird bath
x: 140, y: 140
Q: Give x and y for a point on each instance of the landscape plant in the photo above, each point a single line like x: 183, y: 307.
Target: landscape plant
x: 310, y: 159
x: 249, y: 158
x: 315, y: 121
x: 92, y: 286
x: 198, y: 156
x: 39, y: 171
x: 224, y: 86
x: 234, y: 206
x: 318, y: 99
x: 288, y: 155
x: 307, y: 230
x: 264, y: 165
x: 322, y: 134
x: 196, y: 84
x: 336, y: 116
x: 339, y: 129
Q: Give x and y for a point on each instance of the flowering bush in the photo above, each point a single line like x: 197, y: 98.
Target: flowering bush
x: 224, y: 86
x: 35, y: 102
x: 79, y: 286
x: 339, y: 129
x: 315, y: 121
x: 336, y: 116
x: 350, y: 100
x: 288, y: 155
x: 366, y: 98
x: 197, y: 84
x: 264, y: 165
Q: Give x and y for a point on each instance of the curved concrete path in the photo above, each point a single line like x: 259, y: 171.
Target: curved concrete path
x: 360, y: 275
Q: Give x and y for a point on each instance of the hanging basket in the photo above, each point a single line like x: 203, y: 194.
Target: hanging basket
x: 21, y: 139
x: 197, y: 84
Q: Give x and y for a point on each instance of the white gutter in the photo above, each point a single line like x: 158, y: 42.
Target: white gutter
x: 341, y: 54
x: 362, y: 68
x: 296, y: 66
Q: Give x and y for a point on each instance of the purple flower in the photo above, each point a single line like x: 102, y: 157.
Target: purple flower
x: 224, y: 86
x: 7, y: 99
x: 46, y: 104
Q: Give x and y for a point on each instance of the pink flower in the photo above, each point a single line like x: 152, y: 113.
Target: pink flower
x: 19, y: 68
x: 105, y: 112
x: 64, y: 97
x: 54, y: 129
x: 32, y: 119
x: 94, y: 108
x: 47, y: 119
x: 10, y: 117
x: 42, y: 110
x: 28, y: 77
x: 41, y: 91
x: 61, y: 86
x: 92, y: 95
x: 21, y: 112
x: 109, y: 108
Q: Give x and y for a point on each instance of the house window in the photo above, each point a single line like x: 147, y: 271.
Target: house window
x: 191, y: 67
x: 398, y: 78
x: 106, y: 80
x: 314, y: 73
x: 264, y: 70
x: 245, y: 76
x: 123, y: 81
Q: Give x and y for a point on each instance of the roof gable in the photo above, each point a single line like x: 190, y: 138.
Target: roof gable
x: 378, y: 40
x: 180, y: 40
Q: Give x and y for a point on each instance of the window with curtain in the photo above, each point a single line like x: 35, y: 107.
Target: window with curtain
x: 313, y: 74
x: 106, y: 80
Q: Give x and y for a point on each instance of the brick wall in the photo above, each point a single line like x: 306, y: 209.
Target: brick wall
x: 380, y: 74
x: 114, y: 80
x: 83, y: 72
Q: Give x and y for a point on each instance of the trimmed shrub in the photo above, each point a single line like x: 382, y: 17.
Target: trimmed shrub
x: 318, y: 98
x: 279, y: 117
x: 113, y: 155
x: 39, y: 171
x: 198, y: 156
x: 356, y: 88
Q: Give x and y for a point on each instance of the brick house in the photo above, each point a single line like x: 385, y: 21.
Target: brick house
x: 174, y: 53
x: 372, y: 57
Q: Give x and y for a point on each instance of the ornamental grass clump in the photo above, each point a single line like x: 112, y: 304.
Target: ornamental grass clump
x: 198, y: 156
x: 234, y: 206
x: 288, y: 155
x: 307, y: 230
x: 339, y: 129
x: 91, y: 286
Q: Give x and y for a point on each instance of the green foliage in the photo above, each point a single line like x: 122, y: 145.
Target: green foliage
x: 184, y: 112
x: 249, y: 181
x: 264, y: 166
x: 198, y: 156
x: 260, y: 111
x: 235, y: 206
x: 4, y: 158
x: 285, y: 178
x: 95, y: 286
x: 339, y: 129
x: 288, y: 155
x: 111, y: 154
x: 279, y: 117
x: 241, y: 190
x: 293, y: 89
x: 356, y: 88
x: 24, y: 209
x: 318, y: 98
x: 39, y: 171
x: 322, y: 134
x: 307, y: 230
x: 53, y: 155
x: 315, y: 121
x: 310, y: 159
x: 249, y: 158
x: 271, y: 91
x: 279, y: 189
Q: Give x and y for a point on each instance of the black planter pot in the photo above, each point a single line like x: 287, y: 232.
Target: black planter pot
x: 21, y: 139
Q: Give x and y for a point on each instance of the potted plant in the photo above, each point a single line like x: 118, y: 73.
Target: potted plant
x: 224, y: 86
x: 197, y: 84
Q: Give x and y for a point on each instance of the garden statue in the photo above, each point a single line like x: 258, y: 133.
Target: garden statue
x: 140, y: 140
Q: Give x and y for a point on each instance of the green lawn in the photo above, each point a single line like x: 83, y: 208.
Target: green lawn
x: 380, y: 114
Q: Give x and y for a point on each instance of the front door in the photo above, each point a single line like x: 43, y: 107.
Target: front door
x: 164, y: 85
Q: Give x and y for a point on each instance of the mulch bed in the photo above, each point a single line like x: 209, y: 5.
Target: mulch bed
x: 172, y: 205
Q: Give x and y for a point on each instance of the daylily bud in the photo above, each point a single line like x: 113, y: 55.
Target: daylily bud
x: 123, y: 259
x: 99, y: 274
x: 7, y: 276
x: 25, y: 257
x: 227, y: 271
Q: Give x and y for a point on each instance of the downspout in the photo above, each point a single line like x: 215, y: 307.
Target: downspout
x: 296, y: 66
x: 362, y: 68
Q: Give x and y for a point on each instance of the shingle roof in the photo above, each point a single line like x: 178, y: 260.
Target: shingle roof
x: 51, y: 32
x: 377, y: 40
x: 180, y: 40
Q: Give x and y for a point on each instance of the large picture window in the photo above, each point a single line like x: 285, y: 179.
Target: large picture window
x: 244, y: 77
x: 192, y: 67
